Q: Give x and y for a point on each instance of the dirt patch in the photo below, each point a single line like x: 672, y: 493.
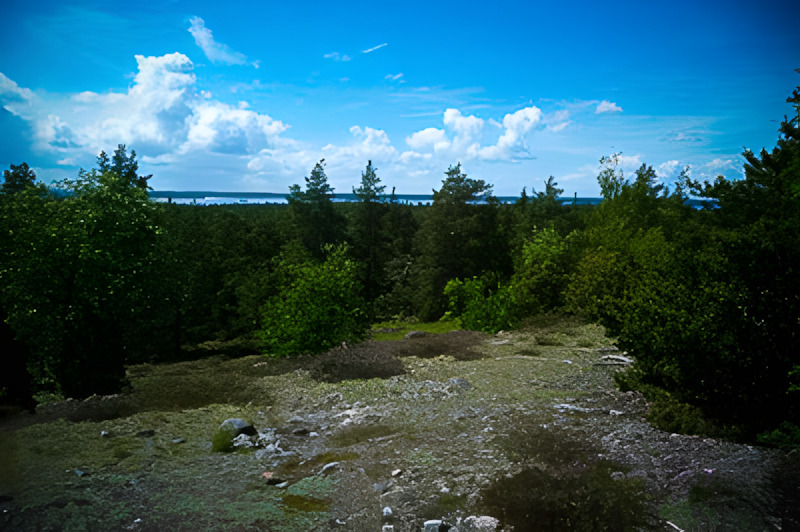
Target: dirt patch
x: 525, y: 426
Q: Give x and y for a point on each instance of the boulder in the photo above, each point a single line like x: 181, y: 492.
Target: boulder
x: 228, y: 431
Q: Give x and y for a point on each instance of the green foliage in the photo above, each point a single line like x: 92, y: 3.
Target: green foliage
x: 367, y: 236
x: 73, y: 278
x: 314, y: 220
x: 318, y: 307
x: 541, y: 271
x: 787, y: 436
x: 459, y: 239
x: 482, y: 303
x: 18, y: 178
x: 611, y: 178
x: 707, y: 301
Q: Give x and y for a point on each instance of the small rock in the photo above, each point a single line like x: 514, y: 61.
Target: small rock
x: 615, y: 413
x: 387, y: 511
x: 283, y: 485
x: 397, y: 472
x: 104, y: 434
x: 618, y: 358
x: 242, y: 440
x: 296, y: 419
x: 432, y: 525
x: 178, y: 441
x: 238, y: 426
x: 313, y: 434
x: 416, y: 334
x: 483, y: 523
x: 326, y: 467
x: 229, y: 431
x: 567, y: 361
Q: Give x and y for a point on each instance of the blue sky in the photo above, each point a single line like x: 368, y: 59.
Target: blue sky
x: 243, y: 96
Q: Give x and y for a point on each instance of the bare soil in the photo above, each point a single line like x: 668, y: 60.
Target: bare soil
x: 525, y: 426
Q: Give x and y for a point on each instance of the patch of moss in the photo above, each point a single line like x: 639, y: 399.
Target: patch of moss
x: 305, y: 504
x: 397, y: 330
x: 222, y: 441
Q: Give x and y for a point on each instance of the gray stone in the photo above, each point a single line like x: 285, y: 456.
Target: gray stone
x: 483, y: 523
x: 227, y: 432
x: 238, y: 426
x: 618, y: 358
x: 326, y: 467
x: 416, y: 334
x: 432, y: 525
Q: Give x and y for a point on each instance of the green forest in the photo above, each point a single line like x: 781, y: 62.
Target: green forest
x: 94, y: 276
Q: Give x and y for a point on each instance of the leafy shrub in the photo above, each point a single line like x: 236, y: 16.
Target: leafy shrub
x: 318, y: 305
x: 482, y: 303
x: 787, y: 436
x: 541, y: 271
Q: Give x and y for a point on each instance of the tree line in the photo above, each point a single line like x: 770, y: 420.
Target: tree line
x: 95, y: 276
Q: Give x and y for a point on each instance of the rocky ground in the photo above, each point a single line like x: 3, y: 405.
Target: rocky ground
x: 522, y: 430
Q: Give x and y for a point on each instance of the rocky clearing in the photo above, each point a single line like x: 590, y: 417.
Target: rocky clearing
x: 526, y: 427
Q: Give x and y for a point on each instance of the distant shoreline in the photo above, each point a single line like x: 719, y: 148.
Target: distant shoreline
x: 202, y: 197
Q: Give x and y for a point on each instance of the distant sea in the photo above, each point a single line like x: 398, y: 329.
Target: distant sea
x: 259, y: 198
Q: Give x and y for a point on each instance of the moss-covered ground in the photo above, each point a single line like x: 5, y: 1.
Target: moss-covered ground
x: 520, y: 425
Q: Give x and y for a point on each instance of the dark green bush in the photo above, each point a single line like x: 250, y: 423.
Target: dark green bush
x: 318, y: 305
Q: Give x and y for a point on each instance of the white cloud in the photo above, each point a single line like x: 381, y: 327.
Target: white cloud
x: 336, y: 56
x: 428, y: 138
x: 12, y: 96
x: 557, y: 121
x: 215, y: 51
x: 668, y: 169
x: 370, y: 50
x: 370, y: 144
x: 393, y: 77
x: 512, y: 144
x: 222, y: 128
x: 607, y: 107
x: 161, y: 115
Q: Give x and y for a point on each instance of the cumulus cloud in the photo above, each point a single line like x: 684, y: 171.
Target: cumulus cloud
x: 668, y: 169
x: 215, y: 51
x: 369, y: 144
x: 607, y: 107
x: 226, y: 129
x: 429, y: 138
x: 512, y: 144
x: 161, y: 114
